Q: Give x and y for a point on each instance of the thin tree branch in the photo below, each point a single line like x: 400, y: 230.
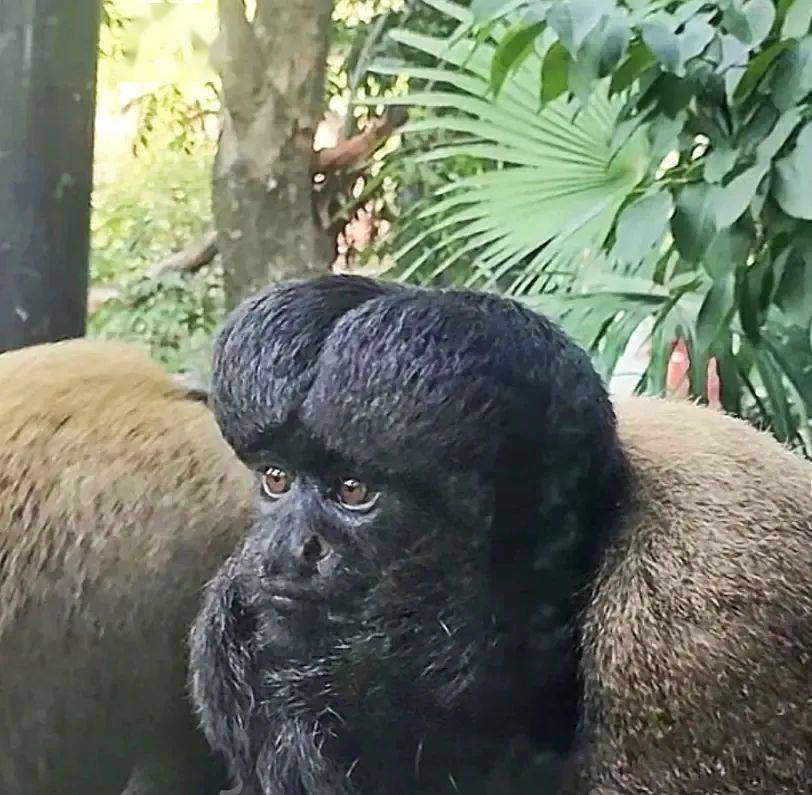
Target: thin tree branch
x: 189, y: 259
x: 359, y: 148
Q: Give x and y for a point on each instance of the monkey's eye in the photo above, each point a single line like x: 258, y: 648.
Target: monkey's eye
x: 276, y: 482
x: 355, y: 494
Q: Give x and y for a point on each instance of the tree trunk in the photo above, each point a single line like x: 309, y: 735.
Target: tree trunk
x: 272, y: 68
x: 47, y: 97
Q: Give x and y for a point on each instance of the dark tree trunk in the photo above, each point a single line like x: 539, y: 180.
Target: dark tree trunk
x: 272, y: 68
x: 47, y: 98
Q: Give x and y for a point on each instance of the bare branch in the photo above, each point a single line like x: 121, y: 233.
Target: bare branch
x: 97, y: 297
x: 188, y: 260
x: 357, y: 149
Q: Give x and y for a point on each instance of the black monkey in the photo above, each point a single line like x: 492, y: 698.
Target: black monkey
x: 465, y: 576
x: 438, y: 473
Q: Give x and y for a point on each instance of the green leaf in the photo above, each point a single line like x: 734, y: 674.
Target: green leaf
x: 664, y: 43
x: 760, y: 17
x: 600, y: 52
x: 794, y: 292
x: 733, y: 63
x: 776, y: 392
x: 573, y: 20
x: 672, y: 49
x: 555, y: 72
x: 460, y: 13
x: 733, y: 199
x: 698, y: 365
x: 730, y: 387
x: 779, y: 135
x: 511, y: 51
x: 614, y: 37
x: 641, y: 225
x: 665, y: 132
x: 719, y: 162
x: 662, y: 343
x: 797, y: 20
x: 715, y: 312
x: 683, y: 11
x: 695, y: 37
x: 792, y: 173
x: 639, y: 59
x: 727, y: 252
x: 694, y: 221
x: 616, y: 339
x: 749, y: 311
x: 483, y: 10
x: 758, y: 67
x: 792, y: 79
x: 750, y: 22
x: 791, y: 349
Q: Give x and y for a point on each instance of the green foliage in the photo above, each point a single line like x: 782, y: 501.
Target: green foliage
x: 640, y: 161
x: 160, y: 204
x: 148, y: 207
x: 174, y: 315
x: 168, y: 109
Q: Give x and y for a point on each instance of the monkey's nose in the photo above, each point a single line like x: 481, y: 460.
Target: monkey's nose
x: 313, y: 551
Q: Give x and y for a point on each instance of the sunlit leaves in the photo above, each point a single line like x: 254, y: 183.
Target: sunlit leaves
x: 574, y: 20
x: 694, y: 224
x: 749, y: 21
x: 514, y: 47
x: 641, y: 226
x: 797, y: 20
x: 792, y: 189
x: 793, y: 75
x: 684, y: 203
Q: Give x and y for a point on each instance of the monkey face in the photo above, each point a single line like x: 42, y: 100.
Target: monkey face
x: 341, y: 555
x: 356, y: 590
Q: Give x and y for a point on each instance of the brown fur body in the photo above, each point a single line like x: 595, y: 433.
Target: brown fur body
x: 698, y: 639
x: 118, y: 499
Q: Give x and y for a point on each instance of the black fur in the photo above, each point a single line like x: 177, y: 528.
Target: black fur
x: 435, y: 649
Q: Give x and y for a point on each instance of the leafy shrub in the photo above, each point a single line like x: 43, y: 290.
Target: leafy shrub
x: 643, y: 162
x: 160, y: 204
x: 174, y: 315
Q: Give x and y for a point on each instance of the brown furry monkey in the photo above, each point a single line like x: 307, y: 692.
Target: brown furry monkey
x: 698, y: 636
x: 118, y: 500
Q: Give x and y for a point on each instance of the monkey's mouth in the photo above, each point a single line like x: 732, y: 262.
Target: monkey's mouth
x: 285, y: 603
x: 288, y: 598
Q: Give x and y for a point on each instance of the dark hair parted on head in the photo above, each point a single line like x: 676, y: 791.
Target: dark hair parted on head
x: 438, y: 474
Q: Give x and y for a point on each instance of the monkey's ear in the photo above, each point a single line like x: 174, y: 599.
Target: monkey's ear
x: 193, y: 387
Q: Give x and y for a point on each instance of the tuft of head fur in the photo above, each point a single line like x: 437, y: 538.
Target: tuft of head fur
x: 118, y: 500
x: 266, y: 354
x: 698, y: 635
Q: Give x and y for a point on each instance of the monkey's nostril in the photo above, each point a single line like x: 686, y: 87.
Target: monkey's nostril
x: 314, y: 549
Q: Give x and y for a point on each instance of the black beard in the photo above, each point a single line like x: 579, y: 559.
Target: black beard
x: 314, y: 701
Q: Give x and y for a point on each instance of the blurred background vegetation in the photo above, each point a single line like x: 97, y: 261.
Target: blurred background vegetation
x: 636, y: 169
